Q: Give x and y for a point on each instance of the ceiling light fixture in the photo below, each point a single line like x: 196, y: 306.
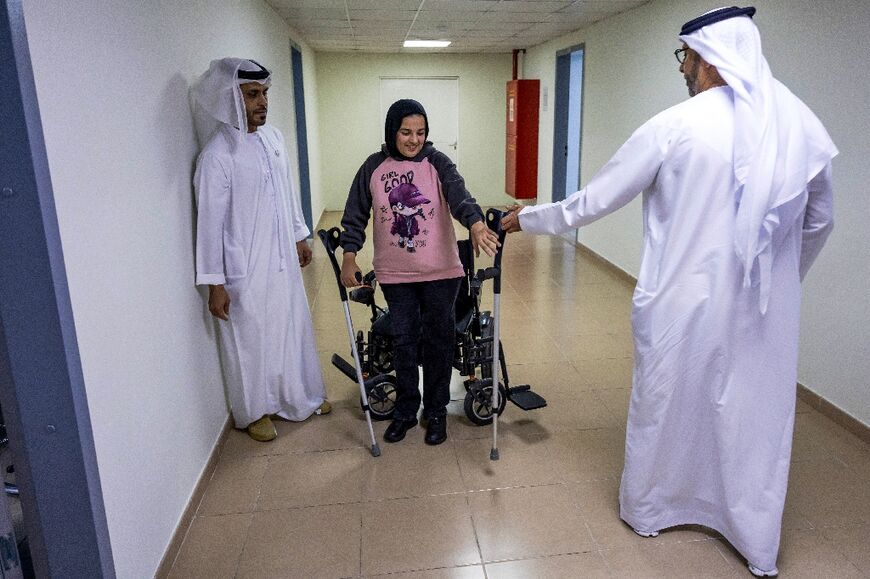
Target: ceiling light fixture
x: 426, y: 43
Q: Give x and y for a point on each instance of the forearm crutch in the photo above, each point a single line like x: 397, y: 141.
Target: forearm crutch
x: 493, y: 220
x: 330, y: 242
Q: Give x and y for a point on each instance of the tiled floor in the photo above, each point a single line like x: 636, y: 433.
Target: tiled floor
x: 315, y: 503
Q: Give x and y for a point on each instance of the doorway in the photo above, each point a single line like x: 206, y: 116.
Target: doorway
x: 567, y: 122
x: 301, y: 134
x: 439, y: 96
x: 42, y: 390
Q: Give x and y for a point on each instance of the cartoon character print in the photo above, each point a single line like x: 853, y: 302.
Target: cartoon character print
x: 405, y: 201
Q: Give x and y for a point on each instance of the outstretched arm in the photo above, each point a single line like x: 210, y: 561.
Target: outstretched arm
x: 631, y: 170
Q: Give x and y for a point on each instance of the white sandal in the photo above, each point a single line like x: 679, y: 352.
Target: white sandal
x: 759, y: 573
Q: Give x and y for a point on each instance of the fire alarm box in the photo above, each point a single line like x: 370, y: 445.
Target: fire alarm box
x: 521, y: 151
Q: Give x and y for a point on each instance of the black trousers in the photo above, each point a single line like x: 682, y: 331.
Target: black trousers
x: 423, y: 320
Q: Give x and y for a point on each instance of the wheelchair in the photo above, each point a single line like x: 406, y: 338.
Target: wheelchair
x: 473, y: 355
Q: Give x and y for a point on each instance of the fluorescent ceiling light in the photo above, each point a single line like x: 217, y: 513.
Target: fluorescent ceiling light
x: 426, y: 43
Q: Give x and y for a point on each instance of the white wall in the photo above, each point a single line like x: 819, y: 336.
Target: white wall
x: 351, y: 127
x: 112, y: 80
x: 819, y: 50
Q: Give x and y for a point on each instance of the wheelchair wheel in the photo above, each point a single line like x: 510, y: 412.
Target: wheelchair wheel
x: 478, y: 403
x: 382, y: 362
x: 382, y: 398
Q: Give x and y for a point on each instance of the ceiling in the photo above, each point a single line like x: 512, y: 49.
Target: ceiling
x: 472, y: 25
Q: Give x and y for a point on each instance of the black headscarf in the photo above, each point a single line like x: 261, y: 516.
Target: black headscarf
x: 398, y: 111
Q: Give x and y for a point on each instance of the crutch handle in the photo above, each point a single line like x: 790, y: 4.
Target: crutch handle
x: 330, y: 239
x: 493, y: 221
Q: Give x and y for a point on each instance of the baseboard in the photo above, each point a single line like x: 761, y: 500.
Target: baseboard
x: 607, y: 264
x: 190, y: 510
x: 835, y: 413
x: 817, y: 402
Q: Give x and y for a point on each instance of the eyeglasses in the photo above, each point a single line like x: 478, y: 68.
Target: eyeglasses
x: 680, y: 53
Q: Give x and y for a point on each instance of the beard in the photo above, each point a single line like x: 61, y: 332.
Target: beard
x: 691, y: 77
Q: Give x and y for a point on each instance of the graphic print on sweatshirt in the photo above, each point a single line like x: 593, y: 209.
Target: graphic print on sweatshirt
x: 407, y: 210
x: 412, y: 226
x: 405, y: 203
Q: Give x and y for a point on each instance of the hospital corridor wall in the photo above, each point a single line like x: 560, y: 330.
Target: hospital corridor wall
x: 112, y: 82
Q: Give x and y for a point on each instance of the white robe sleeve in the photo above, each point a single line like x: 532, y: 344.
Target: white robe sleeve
x: 818, y: 219
x: 213, y: 185
x: 631, y: 170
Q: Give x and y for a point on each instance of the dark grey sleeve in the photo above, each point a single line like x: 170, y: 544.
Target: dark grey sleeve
x: 358, y: 207
x: 463, y: 206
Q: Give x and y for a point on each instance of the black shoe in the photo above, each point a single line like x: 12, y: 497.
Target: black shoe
x: 436, y: 430
x: 397, y: 429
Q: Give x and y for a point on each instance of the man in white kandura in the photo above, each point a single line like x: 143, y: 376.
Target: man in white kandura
x: 250, y: 246
x: 736, y: 206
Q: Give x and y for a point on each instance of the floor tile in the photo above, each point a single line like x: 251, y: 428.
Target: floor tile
x: 587, y: 565
x: 803, y: 554
x: 833, y: 439
x: 577, y: 411
x: 688, y: 559
x: 312, y: 542
x: 596, y: 347
x: 211, y: 548
x: 851, y: 542
x: 239, y: 445
x: 521, y: 463
x: 547, y: 378
x: 616, y: 400
x: 828, y: 493
x: 313, y: 478
x: 324, y: 507
x: 465, y: 572
x: 343, y: 428
x: 417, y: 534
x: 435, y: 471
x: 528, y: 522
x: 234, y: 487
x: 587, y: 454
x: 605, y: 374
x: 524, y: 349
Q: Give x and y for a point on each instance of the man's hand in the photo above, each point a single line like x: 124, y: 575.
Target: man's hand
x: 219, y: 302
x: 485, y: 238
x: 351, y: 275
x: 304, y: 252
x: 511, y: 220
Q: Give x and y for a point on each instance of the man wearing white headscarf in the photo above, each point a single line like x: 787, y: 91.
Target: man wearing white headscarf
x: 250, y: 248
x: 736, y: 207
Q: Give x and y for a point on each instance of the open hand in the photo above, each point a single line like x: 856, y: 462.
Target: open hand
x: 511, y: 220
x: 482, y: 237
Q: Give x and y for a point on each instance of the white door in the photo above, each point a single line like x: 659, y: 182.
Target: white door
x: 439, y: 96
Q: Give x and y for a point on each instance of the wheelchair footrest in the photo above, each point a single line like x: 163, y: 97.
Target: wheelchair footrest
x: 344, y: 366
x: 523, y: 397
